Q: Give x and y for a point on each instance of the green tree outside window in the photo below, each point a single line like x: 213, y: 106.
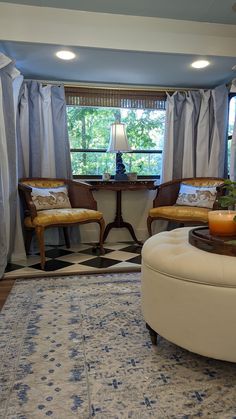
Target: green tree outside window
x: 89, y: 131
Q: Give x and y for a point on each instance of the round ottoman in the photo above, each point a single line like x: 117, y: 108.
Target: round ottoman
x: 189, y: 295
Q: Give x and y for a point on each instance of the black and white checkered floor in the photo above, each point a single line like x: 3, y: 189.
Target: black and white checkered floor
x: 82, y: 258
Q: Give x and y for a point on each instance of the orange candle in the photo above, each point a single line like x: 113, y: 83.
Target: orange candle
x: 221, y: 223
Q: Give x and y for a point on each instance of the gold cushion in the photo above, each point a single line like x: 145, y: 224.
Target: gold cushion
x: 44, y: 183
x: 180, y: 213
x: 204, y: 182
x: 62, y: 216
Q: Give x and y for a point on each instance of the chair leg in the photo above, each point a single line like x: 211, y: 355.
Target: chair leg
x: 149, y: 224
x: 28, y: 239
x: 101, y: 235
x: 40, y: 236
x: 67, y: 237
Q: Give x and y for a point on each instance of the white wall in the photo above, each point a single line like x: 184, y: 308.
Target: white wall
x: 104, y: 30
x: 135, y: 206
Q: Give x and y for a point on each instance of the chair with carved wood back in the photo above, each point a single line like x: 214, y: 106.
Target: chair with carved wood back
x: 186, y: 201
x: 57, y: 203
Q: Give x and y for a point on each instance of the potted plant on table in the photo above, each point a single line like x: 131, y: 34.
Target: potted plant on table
x: 229, y: 199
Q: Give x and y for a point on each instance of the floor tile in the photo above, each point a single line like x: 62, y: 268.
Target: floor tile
x: 100, y: 262
x: 134, y: 248
x: 52, y: 265
x: 120, y: 255
x: 126, y: 265
x: 115, y: 246
x: 24, y: 272
x: 30, y: 260
x: 55, y: 253
x: 77, y: 268
x: 76, y: 247
x: 83, y: 257
x: 12, y: 267
x: 75, y: 257
x: 94, y: 251
x: 136, y: 259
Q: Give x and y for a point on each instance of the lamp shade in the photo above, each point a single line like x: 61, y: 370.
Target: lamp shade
x: 118, y: 139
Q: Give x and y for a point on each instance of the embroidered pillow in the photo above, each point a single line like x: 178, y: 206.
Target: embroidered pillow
x: 50, y: 198
x: 196, y: 196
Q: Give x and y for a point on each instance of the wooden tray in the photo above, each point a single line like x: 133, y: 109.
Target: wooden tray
x: 201, y: 238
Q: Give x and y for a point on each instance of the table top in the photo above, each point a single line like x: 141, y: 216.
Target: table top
x: 201, y: 238
x: 116, y: 185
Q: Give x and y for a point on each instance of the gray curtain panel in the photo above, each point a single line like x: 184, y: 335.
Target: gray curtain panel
x: 61, y: 139
x: 8, y: 176
x: 9, y: 118
x: 3, y: 232
x: 44, y: 134
x: 195, y: 136
x: 44, y: 138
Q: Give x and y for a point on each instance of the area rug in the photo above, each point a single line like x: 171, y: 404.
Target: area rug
x: 77, y: 347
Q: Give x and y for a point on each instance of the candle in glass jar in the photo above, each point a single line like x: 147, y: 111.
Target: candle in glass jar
x: 221, y: 223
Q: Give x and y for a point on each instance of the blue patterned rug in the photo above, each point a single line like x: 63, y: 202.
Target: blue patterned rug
x: 77, y: 347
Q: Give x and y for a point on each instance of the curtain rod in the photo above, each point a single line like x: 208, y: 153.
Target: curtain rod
x: 124, y: 86
x: 115, y: 86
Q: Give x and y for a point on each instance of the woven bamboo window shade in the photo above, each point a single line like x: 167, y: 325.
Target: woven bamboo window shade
x: 115, y: 98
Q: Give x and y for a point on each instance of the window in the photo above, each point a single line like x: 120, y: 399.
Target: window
x: 89, y: 121
x: 232, y: 116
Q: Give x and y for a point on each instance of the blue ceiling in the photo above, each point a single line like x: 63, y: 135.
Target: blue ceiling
x: 37, y: 61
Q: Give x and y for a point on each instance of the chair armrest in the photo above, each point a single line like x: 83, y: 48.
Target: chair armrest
x: 29, y: 207
x: 167, y: 193
x: 80, y: 195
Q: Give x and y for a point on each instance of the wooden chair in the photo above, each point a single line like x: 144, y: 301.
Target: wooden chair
x: 165, y: 208
x: 57, y: 203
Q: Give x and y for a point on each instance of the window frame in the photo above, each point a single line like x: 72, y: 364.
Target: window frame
x: 115, y: 98
x: 229, y: 137
x: 231, y: 95
x: 99, y: 150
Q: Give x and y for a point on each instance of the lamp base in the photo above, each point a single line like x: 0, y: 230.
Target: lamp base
x: 120, y: 168
x: 121, y: 176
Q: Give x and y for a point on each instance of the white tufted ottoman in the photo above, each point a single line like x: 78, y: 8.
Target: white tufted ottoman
x: 189, y: 295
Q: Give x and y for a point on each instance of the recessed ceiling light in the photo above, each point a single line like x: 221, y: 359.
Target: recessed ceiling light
x: 65, y: 55
x: 200, y: 64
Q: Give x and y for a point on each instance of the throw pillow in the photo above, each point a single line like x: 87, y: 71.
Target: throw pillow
x: 196, y: 196
x: 50, y: 198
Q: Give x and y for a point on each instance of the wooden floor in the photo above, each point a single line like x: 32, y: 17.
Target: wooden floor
x: 5, y: 288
